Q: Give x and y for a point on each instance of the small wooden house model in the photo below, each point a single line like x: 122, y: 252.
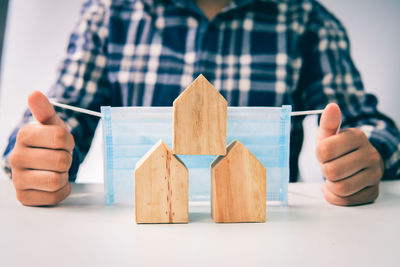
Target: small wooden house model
x: 161, y: 187
x: 200, y: 116
x: 238, y: 186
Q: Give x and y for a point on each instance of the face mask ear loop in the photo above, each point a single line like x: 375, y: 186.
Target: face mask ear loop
x: 306, y: 112
x: 313, y: 112
x: 338, y: 128
x: 77, y: 109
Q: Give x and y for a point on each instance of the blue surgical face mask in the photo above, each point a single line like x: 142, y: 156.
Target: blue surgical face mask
x: 129, y: 132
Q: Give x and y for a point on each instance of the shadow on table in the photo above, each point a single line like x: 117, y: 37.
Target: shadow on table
x: 87, y: 197
x: 199, y: 217
x: 388, y: 196
x: 84, y: 197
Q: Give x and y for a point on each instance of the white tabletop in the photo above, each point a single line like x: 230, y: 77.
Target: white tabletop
x: 309, y: 232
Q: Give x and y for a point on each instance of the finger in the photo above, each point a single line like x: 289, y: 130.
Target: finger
x: 338, y: 145
x: 39, y: 180
x: 46, y: 136
x: 367, y: 195
x: 42, y: 198
x: 346, y: 165
x: 41, y: 159
x: 43, y: 110
x: 330, y: 121
x: 355, y: 183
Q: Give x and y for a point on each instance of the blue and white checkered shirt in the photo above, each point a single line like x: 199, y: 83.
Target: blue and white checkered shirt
x: 256, y: 52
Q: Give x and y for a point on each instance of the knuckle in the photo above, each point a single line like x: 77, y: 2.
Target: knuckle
x: 60, y: 195
x: 341, y: 188
x: 55, y: 181
x: 322, y: 151
x: 52, y: 198
x: 332, y: 199
x: 360, y: 135
x: 16, y: 181
x: 63, y: 161
x: 72, y: 141
x: 336, y: 200
x: 23, y: 134
x: 15, y: 158
x: 377, y: 173
x: 324, y: 169
x: 60, y: 137
x: 330, y: 171
x: 16, y: 178
x: 356, y: 135
x: 350, y: 131
x: 69, y: 161
x: 375, y: 193
x: 21, y: 197
x: 356, y: 132
x: 374, y: 157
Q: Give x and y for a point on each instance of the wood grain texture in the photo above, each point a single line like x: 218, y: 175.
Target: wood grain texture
x: 238, y: 186
x: 161, y: 187
x: 200, y: 117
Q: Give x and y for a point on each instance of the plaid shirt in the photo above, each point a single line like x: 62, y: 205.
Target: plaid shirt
x: 256, y: 52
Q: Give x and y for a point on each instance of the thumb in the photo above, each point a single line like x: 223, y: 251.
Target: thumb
x: 330, y: 121
x: 43, y: 110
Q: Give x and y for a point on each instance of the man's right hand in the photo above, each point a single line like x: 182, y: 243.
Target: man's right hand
x: 42, y: 156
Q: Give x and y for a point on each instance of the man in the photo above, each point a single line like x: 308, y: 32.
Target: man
x: 257, y: 52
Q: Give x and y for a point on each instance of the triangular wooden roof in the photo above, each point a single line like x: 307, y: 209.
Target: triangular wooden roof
x: 200, y: 118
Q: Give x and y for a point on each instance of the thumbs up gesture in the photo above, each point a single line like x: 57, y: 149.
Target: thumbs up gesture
x: 351, y: 165
x: 42, y: 156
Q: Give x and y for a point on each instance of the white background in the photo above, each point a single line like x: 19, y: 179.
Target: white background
x: 38, y: 30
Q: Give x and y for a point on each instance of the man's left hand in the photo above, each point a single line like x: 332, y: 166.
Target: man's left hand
x: 351, y: 165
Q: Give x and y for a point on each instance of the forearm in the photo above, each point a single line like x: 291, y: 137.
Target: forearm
x: 329, y: 75
x: 82, y: 81
x: 385, y: 138
x: 380, y: 130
